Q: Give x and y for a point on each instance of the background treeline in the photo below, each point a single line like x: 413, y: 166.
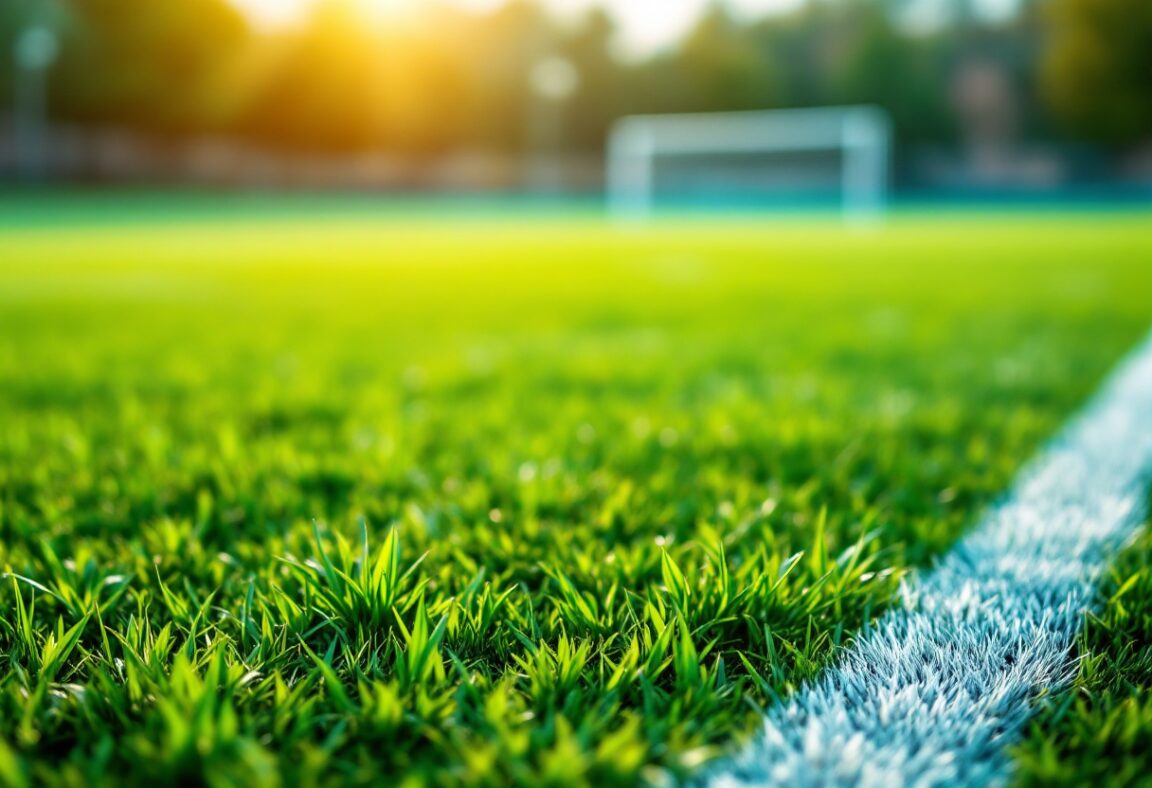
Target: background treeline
x: 448, y: 79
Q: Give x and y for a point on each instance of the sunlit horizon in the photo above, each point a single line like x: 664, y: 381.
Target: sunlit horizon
x: 645, y: 25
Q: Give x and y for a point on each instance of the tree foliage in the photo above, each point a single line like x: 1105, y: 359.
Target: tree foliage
x: 174, y: 66
x: 1098, y: 67
x: 443, y: 78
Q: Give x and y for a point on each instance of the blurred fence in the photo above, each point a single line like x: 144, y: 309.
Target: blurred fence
x: 85, y: 155
x: 79, y: 155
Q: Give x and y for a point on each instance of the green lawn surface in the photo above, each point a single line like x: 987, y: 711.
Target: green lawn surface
x: 1100, y: 731
x: 333, y: 497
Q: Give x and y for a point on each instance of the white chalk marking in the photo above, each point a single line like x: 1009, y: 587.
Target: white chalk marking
x: 936, y: 689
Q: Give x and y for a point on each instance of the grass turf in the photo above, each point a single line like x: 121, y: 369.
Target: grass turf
x: 317, y: 497
x: 1100, y: 731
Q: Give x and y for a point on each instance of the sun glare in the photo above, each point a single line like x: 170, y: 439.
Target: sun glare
x: 276, y: 13
x: 645, y: 25
x: 389, y: 7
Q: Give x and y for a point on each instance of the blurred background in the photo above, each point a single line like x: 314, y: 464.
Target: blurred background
x: 988, y: 99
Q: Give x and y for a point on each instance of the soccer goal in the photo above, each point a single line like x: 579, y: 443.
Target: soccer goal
x: 839, y: 153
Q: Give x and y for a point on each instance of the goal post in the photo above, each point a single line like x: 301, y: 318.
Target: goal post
x: 859, y: 137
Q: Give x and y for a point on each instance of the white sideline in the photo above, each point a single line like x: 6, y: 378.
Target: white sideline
x: 935, y: 690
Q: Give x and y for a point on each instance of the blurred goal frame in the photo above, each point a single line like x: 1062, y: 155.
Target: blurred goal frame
x: 863, y: 135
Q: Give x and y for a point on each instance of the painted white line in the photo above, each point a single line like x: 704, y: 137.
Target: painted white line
x: 938, y: 687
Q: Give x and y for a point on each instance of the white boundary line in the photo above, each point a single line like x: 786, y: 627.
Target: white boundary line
x: 934, y: 692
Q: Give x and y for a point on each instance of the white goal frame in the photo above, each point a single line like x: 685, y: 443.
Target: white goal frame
x: 862, y: 133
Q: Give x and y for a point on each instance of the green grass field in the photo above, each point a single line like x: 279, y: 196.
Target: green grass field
x: 1100, y: 733
x: 318, y: 496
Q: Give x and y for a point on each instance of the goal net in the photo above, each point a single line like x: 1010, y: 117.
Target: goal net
x: 836, y: 155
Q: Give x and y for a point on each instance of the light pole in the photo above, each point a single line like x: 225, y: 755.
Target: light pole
x: 36, y: 50
x: 552, y: 81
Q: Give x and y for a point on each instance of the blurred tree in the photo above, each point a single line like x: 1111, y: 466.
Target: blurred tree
x: 599, y: 96
x: 167, y: 66
x: 1097, y: 70
x: 347, y: 81
x: 718, y: 66
x: 432, y: 77
x: 722, y: 67
x: 809, y: 43
x: 499, y: 52
x: 873, y: 51
x: 12, y: 17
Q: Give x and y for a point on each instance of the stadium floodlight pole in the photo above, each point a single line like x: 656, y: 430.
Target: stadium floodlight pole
x: 35, y: 52
x: 553, y: 80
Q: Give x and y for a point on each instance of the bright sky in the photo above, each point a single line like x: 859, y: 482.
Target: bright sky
x: 645, y: 24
